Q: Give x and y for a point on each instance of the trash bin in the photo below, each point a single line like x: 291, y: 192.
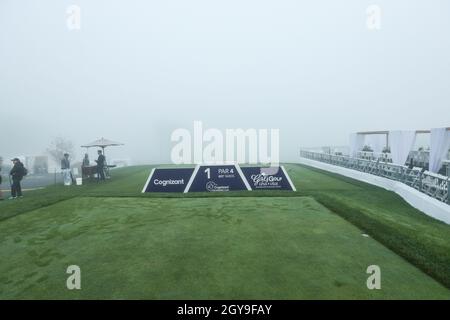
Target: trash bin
x: 79, y: 181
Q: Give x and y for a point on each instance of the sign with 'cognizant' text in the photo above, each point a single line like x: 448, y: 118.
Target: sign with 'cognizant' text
x: 218, y: 178
x: 168, y: 180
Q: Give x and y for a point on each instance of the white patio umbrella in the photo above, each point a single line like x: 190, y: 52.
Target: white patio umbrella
x: 102, y: 143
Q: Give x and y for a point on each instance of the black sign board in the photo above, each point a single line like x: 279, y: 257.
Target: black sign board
x: 168, y: 180
x: 268, y: 178
x: 212, y: 178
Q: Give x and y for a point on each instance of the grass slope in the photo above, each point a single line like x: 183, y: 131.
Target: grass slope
x: 56, y: 226
x: 266, y: 248
x: 384, y: 215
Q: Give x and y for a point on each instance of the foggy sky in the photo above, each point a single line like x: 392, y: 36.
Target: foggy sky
x: 137, y: 70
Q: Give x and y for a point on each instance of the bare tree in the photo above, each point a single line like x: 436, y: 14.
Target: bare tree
x: 58, y: 147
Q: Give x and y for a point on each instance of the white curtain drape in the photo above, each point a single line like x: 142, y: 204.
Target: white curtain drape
x: 356, y: 143
x: 376, y: 142
x: 401, y: 143
x: 439, y: 145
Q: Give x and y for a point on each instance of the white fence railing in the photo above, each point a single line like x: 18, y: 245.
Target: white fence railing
x: 434, y: 185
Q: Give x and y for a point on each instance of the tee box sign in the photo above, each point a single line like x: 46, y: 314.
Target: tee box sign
x: 168, y: 180
x: 216, y: 178
x: 268, y: 178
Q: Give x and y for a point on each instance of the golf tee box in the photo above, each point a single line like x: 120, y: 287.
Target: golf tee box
x: 217, y: 178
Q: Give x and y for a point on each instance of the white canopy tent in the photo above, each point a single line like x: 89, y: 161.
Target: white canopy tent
x: 356, y: 143
x: 439, y: 146
x: 401, y: 143
x: 376, y: 140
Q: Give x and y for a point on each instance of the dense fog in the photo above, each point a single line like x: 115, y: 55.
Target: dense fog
x: 135, y: 71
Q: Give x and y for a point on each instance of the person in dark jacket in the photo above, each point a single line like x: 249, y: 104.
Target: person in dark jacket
x: 65, y: 162
x: 17, y: 173
x: 100, y: 166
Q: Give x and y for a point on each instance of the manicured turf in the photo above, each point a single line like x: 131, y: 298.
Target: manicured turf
x: 189, y: 248
x: 261, y: 245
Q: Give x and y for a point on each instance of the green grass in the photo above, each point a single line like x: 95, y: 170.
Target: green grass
x: 237, y: 245
x: 420, y: 239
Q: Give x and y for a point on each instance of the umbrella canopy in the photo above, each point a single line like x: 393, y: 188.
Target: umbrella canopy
x: 102, y: 143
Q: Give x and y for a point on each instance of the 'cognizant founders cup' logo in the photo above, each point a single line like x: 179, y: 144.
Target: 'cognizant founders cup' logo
x: 264, y: 179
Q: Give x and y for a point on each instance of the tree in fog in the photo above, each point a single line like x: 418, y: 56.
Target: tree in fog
x: 58, y: 147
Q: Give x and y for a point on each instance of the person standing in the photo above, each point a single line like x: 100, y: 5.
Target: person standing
x: 100, y: 165
x: 86, y: 160
x: 17, y: 173
x: 65, y: 169
x: 85, y: 172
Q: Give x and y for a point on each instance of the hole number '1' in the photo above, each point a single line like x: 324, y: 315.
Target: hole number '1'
x: 208, y: 172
